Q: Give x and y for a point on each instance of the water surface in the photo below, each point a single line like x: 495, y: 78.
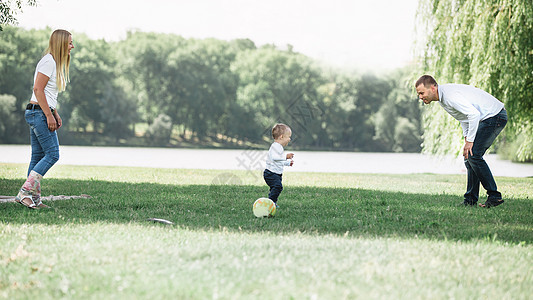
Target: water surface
x: 304, y: 161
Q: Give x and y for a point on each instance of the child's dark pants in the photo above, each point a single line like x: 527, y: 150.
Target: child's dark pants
x: 274, y: 182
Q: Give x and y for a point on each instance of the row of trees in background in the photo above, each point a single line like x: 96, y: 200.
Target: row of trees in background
x: 176, y: 91
x: 488, y: 44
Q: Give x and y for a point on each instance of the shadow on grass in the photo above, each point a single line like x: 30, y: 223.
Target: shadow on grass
x: 341, y: 211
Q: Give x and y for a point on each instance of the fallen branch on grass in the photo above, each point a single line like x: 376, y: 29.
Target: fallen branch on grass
x: 47, y: 198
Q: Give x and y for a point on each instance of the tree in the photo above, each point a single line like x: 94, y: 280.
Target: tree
x: 201, y: 85
x: 20, y: 50
x: 398, y: 121
x: 143, y: 62
x: 385, y: 121
x: 8, y: 119
x: 9, y: 9
x: 280, y: 86
x: 118, y: 112
x: 160, y: 130
x: 351, y: 106
x: 485, y: 43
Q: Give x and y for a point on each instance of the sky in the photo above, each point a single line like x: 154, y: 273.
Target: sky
x: 370, y: 35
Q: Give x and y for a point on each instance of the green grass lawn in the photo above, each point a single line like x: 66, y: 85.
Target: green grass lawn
x: 336, y: 236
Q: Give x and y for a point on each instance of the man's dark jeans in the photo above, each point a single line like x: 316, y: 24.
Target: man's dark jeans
x: 477, y: 169
x: 274, y: 182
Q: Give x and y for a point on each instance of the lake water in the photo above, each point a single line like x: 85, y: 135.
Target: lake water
x: 304, y: 161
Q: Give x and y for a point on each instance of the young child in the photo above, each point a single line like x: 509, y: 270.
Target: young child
x: 276, y: 160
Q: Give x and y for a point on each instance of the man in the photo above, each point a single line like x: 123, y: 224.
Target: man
x: 482, y: 118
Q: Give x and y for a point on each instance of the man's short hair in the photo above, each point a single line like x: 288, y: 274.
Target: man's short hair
x: 278, y: 130
x: 426, y: 80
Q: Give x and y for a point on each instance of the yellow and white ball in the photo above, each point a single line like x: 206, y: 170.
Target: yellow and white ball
x: 264, y: 207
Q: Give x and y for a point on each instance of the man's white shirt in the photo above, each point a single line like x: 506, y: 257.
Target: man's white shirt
x: 469, y: 105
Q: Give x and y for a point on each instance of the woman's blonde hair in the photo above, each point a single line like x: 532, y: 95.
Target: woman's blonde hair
x: 58, y: 47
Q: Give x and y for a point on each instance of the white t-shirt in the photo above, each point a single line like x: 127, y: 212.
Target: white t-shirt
x: 47, y: 66
x: 468, y: 105
x: 276, y: 159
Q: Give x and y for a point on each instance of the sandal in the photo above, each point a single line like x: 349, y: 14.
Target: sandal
x: 22, y: 201
x: 491, y: 203
x: 38, y: 202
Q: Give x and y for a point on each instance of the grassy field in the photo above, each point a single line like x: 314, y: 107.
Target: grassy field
x: 336, y: 236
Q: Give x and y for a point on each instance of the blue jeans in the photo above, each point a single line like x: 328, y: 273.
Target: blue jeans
x: 44, y: 143
x: 274, y: 182
x: 477, y: 169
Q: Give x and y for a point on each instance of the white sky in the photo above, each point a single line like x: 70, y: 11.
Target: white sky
x: 363, y: 34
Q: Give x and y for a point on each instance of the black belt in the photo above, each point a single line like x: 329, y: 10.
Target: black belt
x: 36, y: 106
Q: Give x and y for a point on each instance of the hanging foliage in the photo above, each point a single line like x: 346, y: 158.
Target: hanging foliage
x: 487, y: 44
x: 9, y: 10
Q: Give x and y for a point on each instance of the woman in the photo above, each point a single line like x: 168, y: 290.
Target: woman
x: 50, y: 78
